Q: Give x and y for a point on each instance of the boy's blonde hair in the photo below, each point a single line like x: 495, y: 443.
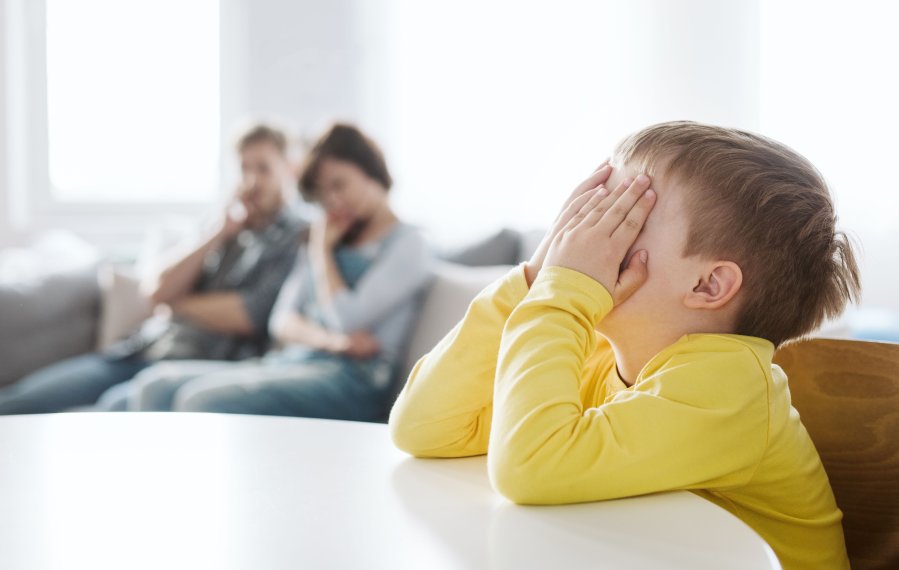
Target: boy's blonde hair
x: 758, y: 203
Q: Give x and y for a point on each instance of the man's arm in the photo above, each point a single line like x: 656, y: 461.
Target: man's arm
x: 180, y: 276
x: 222, y: 312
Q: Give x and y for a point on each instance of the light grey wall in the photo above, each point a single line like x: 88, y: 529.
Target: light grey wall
x: 4, y: 208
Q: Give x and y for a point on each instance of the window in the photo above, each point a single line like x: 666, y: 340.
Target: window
x: 132, y: 108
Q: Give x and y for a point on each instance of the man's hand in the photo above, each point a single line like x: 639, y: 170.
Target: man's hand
x: 599, y: 233
x: 578, y: 198
x: 360, y: 344
x: 234, y: 218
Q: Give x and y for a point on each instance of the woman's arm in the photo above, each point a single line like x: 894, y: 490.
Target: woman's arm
x: 287, y: 326
x: 396, y: 275
x: 294, y: 329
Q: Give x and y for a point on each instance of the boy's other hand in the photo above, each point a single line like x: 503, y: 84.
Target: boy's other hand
x: 574, y: 202
x: 599, y: 234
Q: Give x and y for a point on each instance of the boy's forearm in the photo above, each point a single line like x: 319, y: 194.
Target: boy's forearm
x: 536, y: 396
x: 445, y: 408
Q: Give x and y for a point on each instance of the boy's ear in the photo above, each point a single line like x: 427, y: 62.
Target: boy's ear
x: 716, y: 287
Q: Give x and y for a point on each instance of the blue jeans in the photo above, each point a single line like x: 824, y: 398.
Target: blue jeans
x: 70, y: 383
x: 333, y: 388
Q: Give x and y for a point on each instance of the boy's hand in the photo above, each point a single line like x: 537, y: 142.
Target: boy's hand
x: 598, y: 235
x: 574, y: 202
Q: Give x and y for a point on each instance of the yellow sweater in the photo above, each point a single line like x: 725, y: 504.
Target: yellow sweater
x: 525, y: 376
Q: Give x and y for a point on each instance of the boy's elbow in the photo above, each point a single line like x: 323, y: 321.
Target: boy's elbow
x: 514, y: 480
x: 416, y: 435
x: 528, y: 478
x: 405, y: 436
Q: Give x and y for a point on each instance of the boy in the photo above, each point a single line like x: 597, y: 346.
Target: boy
x: 739, y: 255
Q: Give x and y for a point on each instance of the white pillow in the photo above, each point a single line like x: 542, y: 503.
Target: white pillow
x: 122, y: 307
x: 451, y: 291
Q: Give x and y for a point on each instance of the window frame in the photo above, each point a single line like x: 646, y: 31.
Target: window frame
x: 32, y: 205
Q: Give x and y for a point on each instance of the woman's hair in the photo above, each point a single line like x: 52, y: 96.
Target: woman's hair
x: 762, y: 205
x: 346, y: 143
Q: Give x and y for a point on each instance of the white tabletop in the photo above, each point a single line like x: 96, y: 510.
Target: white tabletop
x: 219, y: 491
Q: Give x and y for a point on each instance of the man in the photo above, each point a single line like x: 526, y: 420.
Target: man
x: 211, y: 303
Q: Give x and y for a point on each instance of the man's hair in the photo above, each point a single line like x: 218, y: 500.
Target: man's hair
x: 760, y: 204
x: 346, y: 143
x: 259, y: 133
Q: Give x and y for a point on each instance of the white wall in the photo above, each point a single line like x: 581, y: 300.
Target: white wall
x: 497, y: 109
x: 4, y: 208
x: 489, y: 112
x: 296, y: 61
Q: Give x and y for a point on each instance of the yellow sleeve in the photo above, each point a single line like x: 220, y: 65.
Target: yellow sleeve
x: 445, y: 408
x: 693, y: 421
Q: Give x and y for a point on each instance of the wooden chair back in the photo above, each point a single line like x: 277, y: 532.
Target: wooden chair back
x: 847, y: 394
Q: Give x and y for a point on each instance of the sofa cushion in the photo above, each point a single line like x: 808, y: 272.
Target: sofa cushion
x: 501, y: 248
x: 123, y: 308
x: 451, y: 291
x: 47, y: 320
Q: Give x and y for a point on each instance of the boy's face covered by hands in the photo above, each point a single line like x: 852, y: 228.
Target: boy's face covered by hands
x: 669, y: 276
x: 629, y: 234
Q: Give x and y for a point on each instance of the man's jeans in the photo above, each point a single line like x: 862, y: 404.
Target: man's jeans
x: 70, y: 383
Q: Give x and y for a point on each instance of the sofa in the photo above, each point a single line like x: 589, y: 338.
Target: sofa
x: 54, y: 315
x: 49, y: 316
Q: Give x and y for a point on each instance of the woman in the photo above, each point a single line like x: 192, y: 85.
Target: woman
x: 341, y: 319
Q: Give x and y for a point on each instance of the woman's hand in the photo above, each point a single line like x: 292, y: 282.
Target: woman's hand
x: 360, y: 344
x: 326, y: 233
x: 577, y: 199
x: 599, y: 234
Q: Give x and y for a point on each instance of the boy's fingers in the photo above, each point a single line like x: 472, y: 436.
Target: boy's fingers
x: 577, y: 204
x: 609, y: 200
x: 620, y: 209
x: 632, y: 278
x: 599, y: 176
x: 626, y: 230
x: 594, y: 199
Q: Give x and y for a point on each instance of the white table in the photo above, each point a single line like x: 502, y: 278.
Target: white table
x: 217, y: 491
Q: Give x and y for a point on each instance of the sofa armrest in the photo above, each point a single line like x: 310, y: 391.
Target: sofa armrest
x: 47, y: 320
